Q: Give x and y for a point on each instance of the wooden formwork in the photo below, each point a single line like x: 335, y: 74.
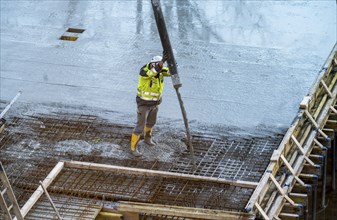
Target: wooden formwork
x: 130, y: 210
x: 309, y: 130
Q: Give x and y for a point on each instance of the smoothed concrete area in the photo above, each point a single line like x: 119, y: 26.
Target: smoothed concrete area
x: 244, y: 64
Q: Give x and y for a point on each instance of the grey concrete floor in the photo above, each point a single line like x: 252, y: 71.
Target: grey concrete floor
x: 243, y: 64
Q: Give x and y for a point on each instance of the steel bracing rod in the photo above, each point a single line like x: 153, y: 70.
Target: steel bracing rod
x: 10, y: 104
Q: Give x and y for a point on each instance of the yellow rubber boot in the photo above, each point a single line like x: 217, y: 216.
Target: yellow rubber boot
x: 134, y: 142
x: 148, y: 136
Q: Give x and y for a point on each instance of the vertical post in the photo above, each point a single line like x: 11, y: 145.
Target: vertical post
x: 305, y: 208
x: 168, y: 53
x: 325, y: 163
x: 333, y: 176
x: 314, y: 198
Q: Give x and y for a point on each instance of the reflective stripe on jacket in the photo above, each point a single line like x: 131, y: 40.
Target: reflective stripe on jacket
x: 150, y: 84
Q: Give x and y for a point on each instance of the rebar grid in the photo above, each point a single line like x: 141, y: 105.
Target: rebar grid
x: 69, y: 207
x: 232, y: 160
x: 27, y: 165
x: 158, y: 190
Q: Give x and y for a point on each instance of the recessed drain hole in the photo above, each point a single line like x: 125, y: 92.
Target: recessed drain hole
x: 75, y: 30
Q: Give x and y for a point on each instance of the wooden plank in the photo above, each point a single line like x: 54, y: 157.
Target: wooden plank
x: 328, y: 131
x: 333, y: 109
x: 299, y: 198
x: 109, y: 215
x: 292, y: 171
x: 274, y: 194
x: 281, y: 191
x: 305, y: 102
x: 326, y: 88
x: 262, y: 188
x: 39, y: 191
x: 302, y: 150
x: 272, y: 168
x: 289, y: 216
x: 276, y: 156
x: 50, y: 200
x: 313, y: 121
x: 279, y: 202
x: 281, y: 180
x: 299, y: 163
x: 332, y: 124
x: 262, y: 212
x: 187, y: 212
x: 319, y: 144
x: 164, y: 174
x: 130, y: 216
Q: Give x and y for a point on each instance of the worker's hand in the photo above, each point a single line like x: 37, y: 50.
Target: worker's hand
x: 158, y: 66
x: 154, y: 71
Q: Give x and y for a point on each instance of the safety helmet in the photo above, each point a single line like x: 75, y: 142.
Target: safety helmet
x: 156, y: 59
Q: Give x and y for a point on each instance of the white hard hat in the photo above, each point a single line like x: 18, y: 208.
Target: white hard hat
x: 156, y: 59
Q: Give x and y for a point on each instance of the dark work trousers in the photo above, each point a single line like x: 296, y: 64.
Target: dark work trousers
x: 146, y: 116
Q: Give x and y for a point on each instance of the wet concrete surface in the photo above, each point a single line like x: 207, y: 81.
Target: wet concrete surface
x: 243, y: 64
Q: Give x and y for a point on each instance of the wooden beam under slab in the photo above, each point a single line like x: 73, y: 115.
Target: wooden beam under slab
x: 187, y: 212
x: 157, y: 173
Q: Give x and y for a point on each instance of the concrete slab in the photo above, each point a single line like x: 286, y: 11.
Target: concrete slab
x: 244, y: 64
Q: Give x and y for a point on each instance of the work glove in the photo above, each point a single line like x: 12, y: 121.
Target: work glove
x: 154, y: 71
x: 157, y: 67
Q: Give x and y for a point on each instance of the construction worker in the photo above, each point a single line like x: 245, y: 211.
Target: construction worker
x: 149, y: 96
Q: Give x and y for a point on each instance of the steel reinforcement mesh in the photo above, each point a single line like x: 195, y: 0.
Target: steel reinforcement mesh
x: 27, y: 150
x: 69, y: 207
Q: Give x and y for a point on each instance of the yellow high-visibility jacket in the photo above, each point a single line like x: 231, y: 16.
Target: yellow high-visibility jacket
x: 150, y: 84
